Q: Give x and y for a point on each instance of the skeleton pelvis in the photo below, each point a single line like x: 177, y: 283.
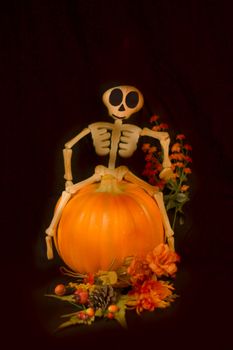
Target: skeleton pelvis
x: 106, y: 222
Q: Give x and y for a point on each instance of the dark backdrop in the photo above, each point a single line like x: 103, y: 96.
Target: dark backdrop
x: 57, y: 58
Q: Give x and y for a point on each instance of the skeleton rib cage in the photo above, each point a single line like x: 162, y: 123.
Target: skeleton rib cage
x: 102, y: 135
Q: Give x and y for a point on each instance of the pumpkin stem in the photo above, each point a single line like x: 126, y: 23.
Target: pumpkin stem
x: 109, y: 183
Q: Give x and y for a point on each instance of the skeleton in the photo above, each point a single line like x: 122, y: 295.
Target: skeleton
x: 112, y: 139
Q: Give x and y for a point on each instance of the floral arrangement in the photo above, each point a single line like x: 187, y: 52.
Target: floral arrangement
x: 176, y: 189
x: 139, y: 284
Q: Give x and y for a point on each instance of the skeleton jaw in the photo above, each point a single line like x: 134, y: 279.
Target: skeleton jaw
x: 118, y: 117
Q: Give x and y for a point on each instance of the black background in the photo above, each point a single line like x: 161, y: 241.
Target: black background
x: 57, y: 59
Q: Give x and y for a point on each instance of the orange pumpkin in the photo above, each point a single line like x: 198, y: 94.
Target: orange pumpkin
x: 106, y: 222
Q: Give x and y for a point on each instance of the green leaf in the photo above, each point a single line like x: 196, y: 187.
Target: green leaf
x: 120, y: 314
x: 72, y: 321
x: 69, y: 298
x: 99, y: 313
x: 181, y: 197
x: 171, y: 204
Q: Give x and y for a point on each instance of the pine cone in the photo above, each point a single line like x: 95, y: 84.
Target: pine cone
x: 102, y: 296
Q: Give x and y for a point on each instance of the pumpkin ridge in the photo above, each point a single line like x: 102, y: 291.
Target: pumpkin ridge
x: 109, y: 231
x: 84, y: 221
x: 155, y: 223
x: 70, y: 256
x: 58, y: 237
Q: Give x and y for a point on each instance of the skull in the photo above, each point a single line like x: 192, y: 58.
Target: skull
x: 122, y: 101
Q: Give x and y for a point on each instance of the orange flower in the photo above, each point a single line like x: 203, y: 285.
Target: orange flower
x: 162, y: 260
x: 145, y: 147
x: 153, y: 149
x: 180, y: 137
x: 138, y: 270
x: 179, y: 164
x: 154, y: 118
x: 177, y: 156
x: 187, y: 171
x: 156, y: 128
x: 184, y: 188
x: 150, y: 295
x: 176, y: 147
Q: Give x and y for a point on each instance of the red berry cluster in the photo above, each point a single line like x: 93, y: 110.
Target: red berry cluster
x: 81, y: 297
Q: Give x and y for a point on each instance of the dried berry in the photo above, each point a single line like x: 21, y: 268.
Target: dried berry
x: 110, y: 315
x: 90, y: 312
x: 60, y: 290
x: 113, y: 308
x: 81, y: 296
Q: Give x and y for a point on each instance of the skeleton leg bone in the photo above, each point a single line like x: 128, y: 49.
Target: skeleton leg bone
x: 154, y: 192
x: 129, y: 176
x: 66, y: 195
x: 52, y: 227
x: 167, y: 227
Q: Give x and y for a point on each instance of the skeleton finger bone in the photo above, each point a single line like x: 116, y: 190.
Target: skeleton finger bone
x: 166, y: 174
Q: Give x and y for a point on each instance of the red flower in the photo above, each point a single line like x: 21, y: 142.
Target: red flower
x: 180, y: 137
x: 188, y: 159
x: 149, y: 157
x: 177, y: 156
x: 187, y: 171
x: 188, y: 147
x: 184, y: 188
x: 154, y: 118
x: 176, y: 147
x: 163, y: 126
x: 179, y: 164
x: 152, y: 149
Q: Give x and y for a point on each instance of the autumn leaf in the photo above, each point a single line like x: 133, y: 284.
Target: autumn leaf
x: 120, y: 314
x: 108, y: 277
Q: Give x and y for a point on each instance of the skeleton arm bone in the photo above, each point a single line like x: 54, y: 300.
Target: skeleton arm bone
x: 164, y: 139
x: 67, y: 154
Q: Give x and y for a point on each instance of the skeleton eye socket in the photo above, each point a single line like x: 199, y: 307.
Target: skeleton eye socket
x: 132, y: 99
x: 116, y: 97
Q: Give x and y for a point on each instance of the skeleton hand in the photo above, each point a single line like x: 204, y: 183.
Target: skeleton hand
x: 166, y: 174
